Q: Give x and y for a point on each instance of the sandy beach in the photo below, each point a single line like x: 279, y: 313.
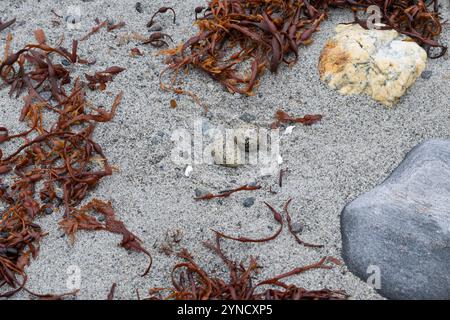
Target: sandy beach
x: 355, y: 147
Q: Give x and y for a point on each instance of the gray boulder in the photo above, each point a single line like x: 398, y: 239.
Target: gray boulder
x: 401, y: 228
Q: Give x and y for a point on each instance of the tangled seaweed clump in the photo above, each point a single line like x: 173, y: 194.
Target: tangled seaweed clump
x: 192, y: 282
x: 57, y: 164
x: 238, y: 40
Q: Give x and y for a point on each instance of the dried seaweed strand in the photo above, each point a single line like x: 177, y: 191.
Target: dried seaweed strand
x: 278, y: 218
x: 296, y: 237
x: 4, y: 25
x: 227, y: 193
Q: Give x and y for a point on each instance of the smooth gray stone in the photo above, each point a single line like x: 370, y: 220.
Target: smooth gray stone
x: 403, y: 227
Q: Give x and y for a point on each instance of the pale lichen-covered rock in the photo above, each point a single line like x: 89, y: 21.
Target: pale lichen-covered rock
x: 380, y: 63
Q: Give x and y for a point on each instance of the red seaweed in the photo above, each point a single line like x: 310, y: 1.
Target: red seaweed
x: 56, y: 165
x: 238, y: 40
x: 192, y: 282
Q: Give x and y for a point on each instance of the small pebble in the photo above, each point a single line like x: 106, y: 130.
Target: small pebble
x: 297, y: 227
x: 101, y: 218
x: 426, y: 74
x: 155, y: 28
x: 247, y: 117
x: 65, y: 62
x: 4, y: 234
x: 249, y: 202
x: 48, y: 211
x: 200, y: 192
x: 253, y: 183
x: 138, y: 7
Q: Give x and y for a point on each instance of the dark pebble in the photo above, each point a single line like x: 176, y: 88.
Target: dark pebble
x: 253, y: 184
x: 65, y: 62
x: 246, y: 117
x: 101, y: 218
x: 426, y: 74
x: 249, y: 202
x: 155, y: 28
x: 200, y: 192
x: 48, y: 211
x: 4, y: 234
x: 138, y: 7
x: 297, y: 227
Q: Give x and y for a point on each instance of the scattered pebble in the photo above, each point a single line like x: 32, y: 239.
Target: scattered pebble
x: 158, y: 137
x: 4, y: 234
x: 48, y: 211
x: 101, y: 218
x: 138, y: 7
x: 297, y: 227
x: 200, y: 192
x: 253, y: 183
x: 247, y: 117
x: 156, y: 27
x: 426, y: 74
x: 249, y: 202
x: 65, y: 62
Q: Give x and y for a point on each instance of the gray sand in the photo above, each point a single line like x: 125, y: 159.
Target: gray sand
x: 354, y: 148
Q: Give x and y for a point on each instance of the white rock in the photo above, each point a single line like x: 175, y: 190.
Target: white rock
x: 380, y: 63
